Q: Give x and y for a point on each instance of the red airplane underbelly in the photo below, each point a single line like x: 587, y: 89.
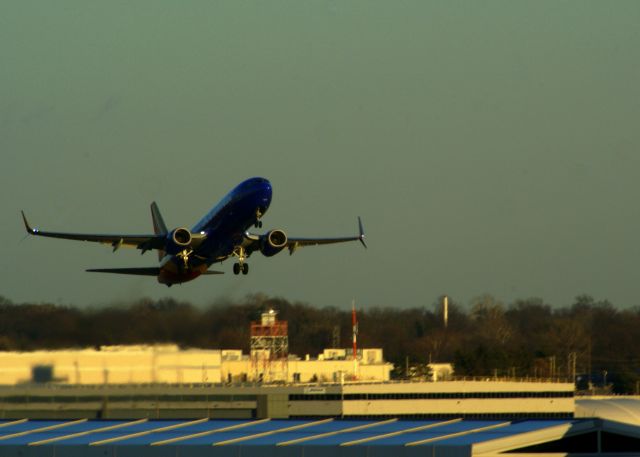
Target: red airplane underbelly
x: 171, y: 275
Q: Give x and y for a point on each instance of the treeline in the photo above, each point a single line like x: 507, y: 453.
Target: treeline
x: 590, y: 339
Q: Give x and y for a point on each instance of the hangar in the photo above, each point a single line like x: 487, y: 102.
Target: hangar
x: 316, y: 438
x: 614, y: 408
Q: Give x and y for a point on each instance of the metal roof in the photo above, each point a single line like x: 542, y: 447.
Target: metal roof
x: 620, y: 409
x: 286, y: 437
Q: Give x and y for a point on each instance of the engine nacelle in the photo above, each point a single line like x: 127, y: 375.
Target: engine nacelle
x: 273, y: 242
x: 181, y: 237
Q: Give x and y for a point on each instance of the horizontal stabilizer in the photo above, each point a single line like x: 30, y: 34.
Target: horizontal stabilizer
x: 144, y: 271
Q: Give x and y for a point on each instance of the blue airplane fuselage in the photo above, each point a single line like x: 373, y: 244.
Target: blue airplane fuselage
x: 224, y: 227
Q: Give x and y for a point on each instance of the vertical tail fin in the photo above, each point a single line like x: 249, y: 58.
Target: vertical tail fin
x: 159, y: 227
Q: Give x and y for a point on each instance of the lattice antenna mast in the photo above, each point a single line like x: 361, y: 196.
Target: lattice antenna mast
x: 269, y: 348
x: 335, y: 337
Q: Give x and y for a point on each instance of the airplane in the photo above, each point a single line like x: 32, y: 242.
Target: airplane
x: 185, y: 254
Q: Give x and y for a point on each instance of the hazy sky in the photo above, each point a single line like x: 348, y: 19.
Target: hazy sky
x: 490, y: 147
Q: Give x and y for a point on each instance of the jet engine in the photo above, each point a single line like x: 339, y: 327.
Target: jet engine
x: 273, y: 242
x: 180, y: 243
x: 181, y: 237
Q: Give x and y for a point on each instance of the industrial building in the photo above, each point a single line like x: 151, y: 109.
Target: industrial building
x: 427, y: 400
x: 592, y: 435
x: 168, y: 364
x: 318, y: 438
x: 269, y: 361
x: 161, y: 400
x: 162, y: 382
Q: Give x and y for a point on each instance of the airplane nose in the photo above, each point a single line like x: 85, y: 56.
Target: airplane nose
x: 256, y: 183
x: 265, y: 183
x: 264, y: 186
x: 267, y: 192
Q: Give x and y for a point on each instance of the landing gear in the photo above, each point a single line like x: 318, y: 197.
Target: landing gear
x: 184, y: 255
x: 240, y: 266
x: 258, y: 224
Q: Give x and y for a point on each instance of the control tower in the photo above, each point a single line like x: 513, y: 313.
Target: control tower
x: 269, y: 348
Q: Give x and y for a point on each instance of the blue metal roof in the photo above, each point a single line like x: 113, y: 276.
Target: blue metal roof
x: 502, y: 432
x: 380, y: 428
x: 256, y: 428
x: 87, y: 427
x: 101, y: 435
x: 192, y: 429
x: 258, y: 434
x: 436, y: 431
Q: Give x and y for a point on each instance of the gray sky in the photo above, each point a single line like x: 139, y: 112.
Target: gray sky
x: 489, y: 146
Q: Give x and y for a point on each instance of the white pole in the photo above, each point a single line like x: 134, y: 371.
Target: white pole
x: 446, y: 311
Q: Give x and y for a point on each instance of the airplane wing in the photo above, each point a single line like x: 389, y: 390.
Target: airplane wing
x: 295, y: 243
x: 144, y: 242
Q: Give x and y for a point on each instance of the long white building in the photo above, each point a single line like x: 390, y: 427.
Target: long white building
x: 164, y: 382
x: 448, y: 399
x: 167, y: 364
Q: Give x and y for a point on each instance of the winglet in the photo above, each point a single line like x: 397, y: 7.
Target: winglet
x: 361, y: 235
x: 27, y: 226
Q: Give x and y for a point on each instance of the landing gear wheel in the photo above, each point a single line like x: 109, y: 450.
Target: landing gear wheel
x: 184, y: 255
x: 258, y: 224
x: 240, y: 266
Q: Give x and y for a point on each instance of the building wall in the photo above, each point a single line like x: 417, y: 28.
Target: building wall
x: 431, y: 407
x: 252, y: 400
x: 170, y: 365
x: 335, y: 370
x: 447, y: 398
x: 308, y: 371
x: 458, y: 407
x: 115, y: 365
x: 488, y: 385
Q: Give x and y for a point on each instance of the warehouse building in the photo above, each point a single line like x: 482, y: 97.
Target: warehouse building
x: 168, y: 364
x: 268, y: 361
x: 426, y: 400
x: 318, y: 438
x: 164, y: 382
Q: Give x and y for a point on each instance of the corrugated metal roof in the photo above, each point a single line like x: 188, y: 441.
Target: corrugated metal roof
x: 279, y: 435
x: 502, y: 432
x: 620, y: 409
x: 322, y: 432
